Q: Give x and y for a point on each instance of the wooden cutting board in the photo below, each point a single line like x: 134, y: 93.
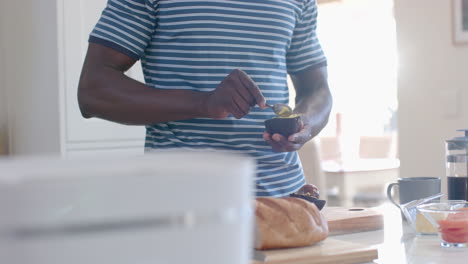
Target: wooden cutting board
x: 352, y: 220
x: 328, y: 251
x: 340, y: 221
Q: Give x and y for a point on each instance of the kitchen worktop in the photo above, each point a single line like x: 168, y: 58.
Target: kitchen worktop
x: 397, y: 243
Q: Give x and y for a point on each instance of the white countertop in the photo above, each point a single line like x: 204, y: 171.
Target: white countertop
x: 398, y: 244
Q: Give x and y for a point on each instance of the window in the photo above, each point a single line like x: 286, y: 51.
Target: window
x: 359, y: 39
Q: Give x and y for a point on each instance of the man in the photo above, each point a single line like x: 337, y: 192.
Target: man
x: 210, y: 67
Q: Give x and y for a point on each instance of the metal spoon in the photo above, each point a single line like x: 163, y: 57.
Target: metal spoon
x: 282, y: 110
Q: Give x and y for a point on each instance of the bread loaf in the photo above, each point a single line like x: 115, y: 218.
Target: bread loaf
x: 288, y: 222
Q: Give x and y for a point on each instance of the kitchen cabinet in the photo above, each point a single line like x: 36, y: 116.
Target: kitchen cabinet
x: 44, y: 44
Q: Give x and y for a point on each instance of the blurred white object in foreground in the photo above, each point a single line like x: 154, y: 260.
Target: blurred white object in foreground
x: 161, y: 208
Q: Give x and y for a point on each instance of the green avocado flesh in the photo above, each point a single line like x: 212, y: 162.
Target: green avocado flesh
x: 288, y: 116
x: 284, y: 112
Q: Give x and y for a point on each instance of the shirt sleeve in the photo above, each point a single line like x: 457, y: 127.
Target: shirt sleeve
x: 126, y: 26
x: 305, y: 50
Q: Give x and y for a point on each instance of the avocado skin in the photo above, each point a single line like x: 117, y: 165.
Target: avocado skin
x: 285, y: 126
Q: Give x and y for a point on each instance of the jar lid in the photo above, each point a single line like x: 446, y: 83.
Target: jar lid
x: 458, y: 142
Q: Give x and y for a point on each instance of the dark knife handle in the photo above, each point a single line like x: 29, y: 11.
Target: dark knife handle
x: 319, y: 203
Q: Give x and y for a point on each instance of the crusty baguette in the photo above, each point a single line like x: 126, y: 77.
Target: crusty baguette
x: 288, y: 222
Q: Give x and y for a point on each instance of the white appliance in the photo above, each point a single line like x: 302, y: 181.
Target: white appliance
x: 164, y: 208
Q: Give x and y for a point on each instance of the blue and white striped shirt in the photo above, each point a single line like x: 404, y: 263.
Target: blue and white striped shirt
x: 195, y: 44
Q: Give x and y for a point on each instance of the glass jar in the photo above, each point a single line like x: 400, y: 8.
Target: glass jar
x: 457, y: 167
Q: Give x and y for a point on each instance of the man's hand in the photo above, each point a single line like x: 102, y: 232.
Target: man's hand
x: 236, y: 94
x: 294, y: 142
x: 313, y: 103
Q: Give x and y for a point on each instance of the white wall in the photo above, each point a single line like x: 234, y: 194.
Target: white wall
x: 433, y: 84
x: 3, y: 108
x: 3, y: 100
x: 31, y: 75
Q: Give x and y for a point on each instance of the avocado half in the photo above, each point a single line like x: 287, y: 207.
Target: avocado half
x: 285, y: 126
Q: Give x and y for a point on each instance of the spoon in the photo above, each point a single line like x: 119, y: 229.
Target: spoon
x: 282, y: 110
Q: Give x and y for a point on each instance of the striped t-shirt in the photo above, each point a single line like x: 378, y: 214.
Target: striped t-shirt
x: 194, y: 45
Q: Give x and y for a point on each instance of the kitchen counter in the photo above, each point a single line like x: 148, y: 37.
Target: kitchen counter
x: 398, y: 244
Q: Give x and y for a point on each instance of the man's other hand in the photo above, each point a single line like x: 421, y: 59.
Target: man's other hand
x: 294, y: 142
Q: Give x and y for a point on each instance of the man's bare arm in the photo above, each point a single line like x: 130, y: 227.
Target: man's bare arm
x: 313, y: 99
x: 106, y: 92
